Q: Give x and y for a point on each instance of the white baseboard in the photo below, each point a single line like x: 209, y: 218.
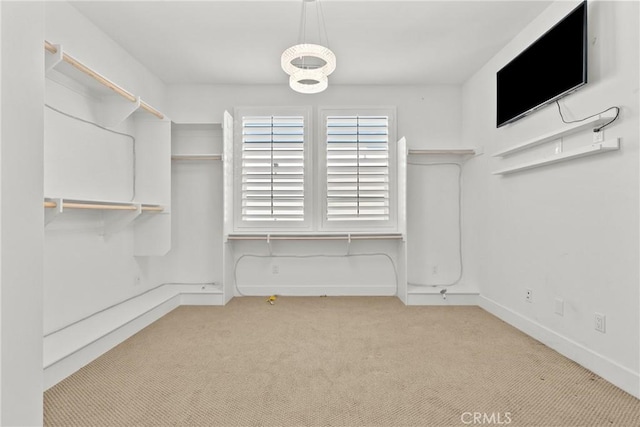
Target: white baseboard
x: 437, y: 299
x: 70, y: 348
x: 459, y: 294
x: 608, y: 369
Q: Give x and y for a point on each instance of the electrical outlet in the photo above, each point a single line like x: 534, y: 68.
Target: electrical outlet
x: 559, y: 306
x: 275, y: 269
x: 434, y: 270
x: 529, y: 295
x: 600, y: 322
x: 136, y: 281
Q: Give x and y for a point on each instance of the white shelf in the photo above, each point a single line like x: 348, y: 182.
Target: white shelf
x: 593, y: 122
x: 317, y: 236
x: 602, y: 147
x: 117, y: 214
x: 452, y: 151
x: 196, y: 157
x: 113, y: 110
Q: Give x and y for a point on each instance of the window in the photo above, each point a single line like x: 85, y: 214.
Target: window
x: 345, y: 180
x: 359, y: 169
x: 272, y: 165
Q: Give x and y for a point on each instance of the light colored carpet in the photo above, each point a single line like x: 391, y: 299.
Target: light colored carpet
x: 336, y: 361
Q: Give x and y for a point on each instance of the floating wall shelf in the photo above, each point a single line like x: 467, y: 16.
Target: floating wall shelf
x: 603, y: 147
x: 593, y: 122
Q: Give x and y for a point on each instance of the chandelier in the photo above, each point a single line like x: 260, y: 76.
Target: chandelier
x: 308, y: 65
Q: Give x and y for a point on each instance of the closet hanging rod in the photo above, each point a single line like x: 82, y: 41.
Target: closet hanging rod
x: 196, y: 157
x: 102, y: 80
x: 98, y: 206
x: 317, y: 237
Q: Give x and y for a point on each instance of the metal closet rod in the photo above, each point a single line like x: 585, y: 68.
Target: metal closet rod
x: 102, y: 80
x: 98, y: 206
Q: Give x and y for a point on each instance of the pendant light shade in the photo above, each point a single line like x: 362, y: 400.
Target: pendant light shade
x: 309, y: 64
x: 306, y: 50
x: 308, y: 81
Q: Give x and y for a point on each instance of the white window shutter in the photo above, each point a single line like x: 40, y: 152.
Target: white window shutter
x: 357, y: 168
x: 273, y: 168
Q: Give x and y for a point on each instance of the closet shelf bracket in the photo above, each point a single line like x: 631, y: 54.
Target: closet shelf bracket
x: 50, y: 61
x: 54, y: 208
x: 116, y: 110
x: 116, y: 221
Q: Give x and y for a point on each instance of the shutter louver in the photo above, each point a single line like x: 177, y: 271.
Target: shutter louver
x: 357, y: 168
x: 273, y: 168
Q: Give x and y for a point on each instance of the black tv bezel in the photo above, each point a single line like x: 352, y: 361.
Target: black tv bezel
x: 569, y: 90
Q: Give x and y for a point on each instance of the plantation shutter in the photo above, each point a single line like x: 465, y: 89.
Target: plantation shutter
x: 357, y: 168
x: 273, y: 168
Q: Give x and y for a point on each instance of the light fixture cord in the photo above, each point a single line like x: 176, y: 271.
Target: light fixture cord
x: 321, y: 20
x: 322, y: 28
x: 302, y: 34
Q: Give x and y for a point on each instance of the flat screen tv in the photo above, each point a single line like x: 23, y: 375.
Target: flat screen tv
x: 551, y: 67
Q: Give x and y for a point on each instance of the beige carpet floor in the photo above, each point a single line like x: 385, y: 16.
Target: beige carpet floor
x: 336, y: 361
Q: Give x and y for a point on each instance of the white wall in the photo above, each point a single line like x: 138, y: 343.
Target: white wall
x: 21, y: 270
x: 429, y: 116
x: 567, y: 231
x: 84, y: 271
x: 196, y: 215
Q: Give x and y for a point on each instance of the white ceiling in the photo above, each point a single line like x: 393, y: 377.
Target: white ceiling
x: 375, y: 42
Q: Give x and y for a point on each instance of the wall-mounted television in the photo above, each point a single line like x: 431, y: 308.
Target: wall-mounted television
x: 551, y: 67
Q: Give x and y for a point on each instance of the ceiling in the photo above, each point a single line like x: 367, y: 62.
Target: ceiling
x: 375, y: 42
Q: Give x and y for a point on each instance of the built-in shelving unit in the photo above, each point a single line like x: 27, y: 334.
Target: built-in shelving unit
x: 121, y: 168
x: 603, y: 147
x: 590, y: 123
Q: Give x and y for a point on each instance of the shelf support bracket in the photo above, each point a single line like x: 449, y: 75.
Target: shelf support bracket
x: 51, y: 214
x: 50, y: 61
x: 269, y: 245
x: 116, y: 221
x: 116, y: 109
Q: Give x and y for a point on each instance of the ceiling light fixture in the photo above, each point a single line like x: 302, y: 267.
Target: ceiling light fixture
x: 308, y: 64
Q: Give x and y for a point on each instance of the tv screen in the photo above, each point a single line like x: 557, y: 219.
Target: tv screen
x: 548, y: 69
